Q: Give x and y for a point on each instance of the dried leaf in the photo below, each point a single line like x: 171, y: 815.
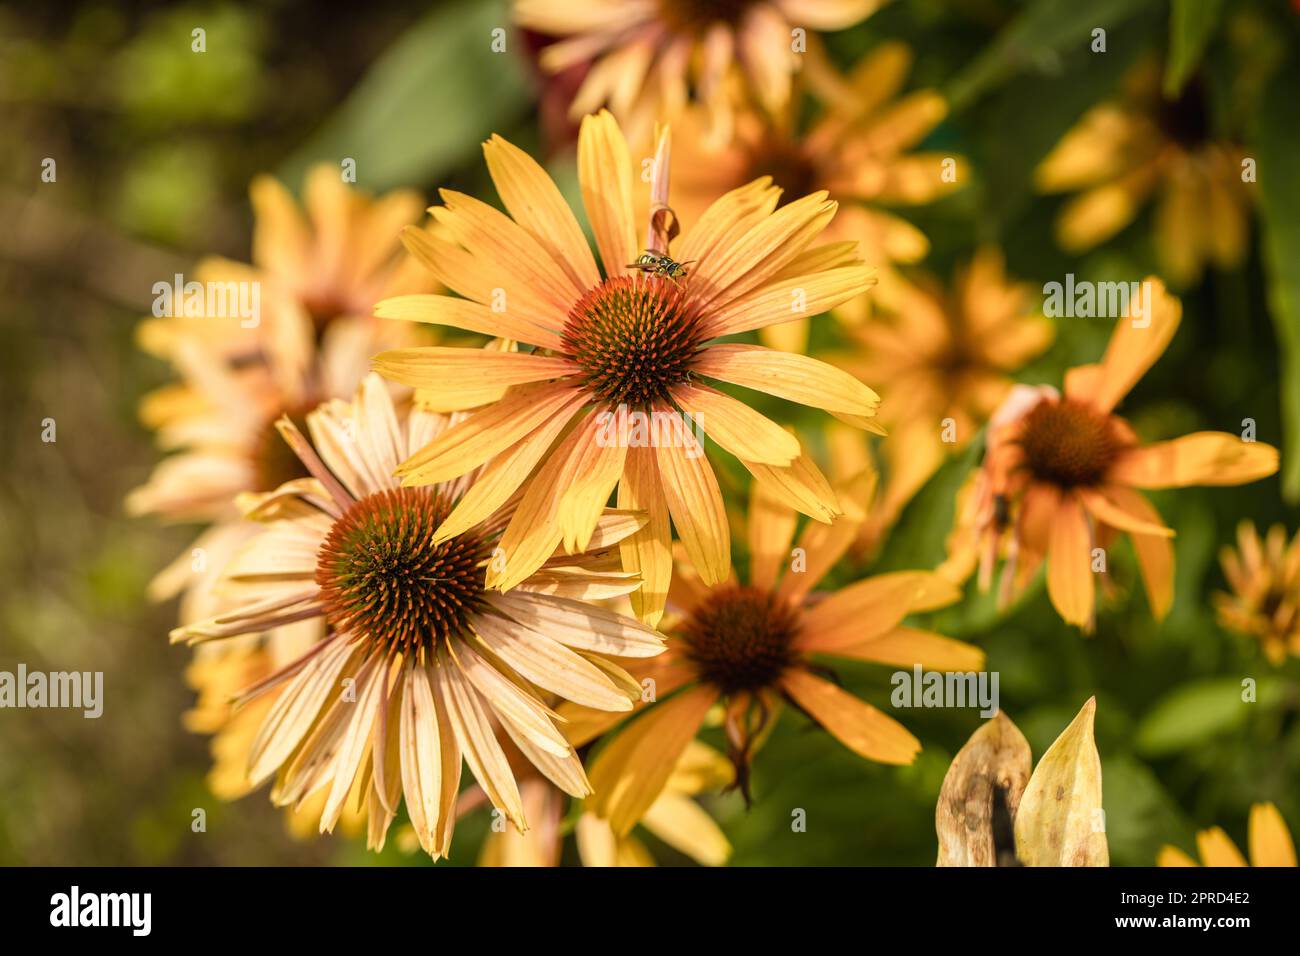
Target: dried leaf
x: 1060, y: 820
x: 980, y: 795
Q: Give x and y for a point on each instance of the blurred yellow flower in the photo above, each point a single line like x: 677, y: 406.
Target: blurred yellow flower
x: 860, y: 150
x: 1265, y: 581
x: 946, y: 355
x: 1125, y: 152
x: 674, y: 818
x: 650, y: 57
x: 625, y: 356
x: 1270, y: 844
x: 1063, y: 475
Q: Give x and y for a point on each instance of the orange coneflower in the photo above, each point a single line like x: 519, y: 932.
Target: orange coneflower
x: 949, y: 353
x: 752, y: 645
x: 1124, y: 152
x: 621, y: 357
x: 1265, y: 597
x: 861, y: 150
x: 1063, y: 474
x: 649, y: 57
x: 422, y: 664
x: 1270, y: 844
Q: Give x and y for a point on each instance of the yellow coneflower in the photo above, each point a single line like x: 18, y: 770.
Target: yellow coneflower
x: 649, y: 57
x: 674, y: 818
x: 1063, y: 474
x: 312, y: 342
x: 422, y: 663
x: 1270, y: 844
x: 1265, y: 581
x: 753, y: 645
x: 949, y: 353
x: 622, y: 358
x: 1125, y: 152
x: 861, y: 151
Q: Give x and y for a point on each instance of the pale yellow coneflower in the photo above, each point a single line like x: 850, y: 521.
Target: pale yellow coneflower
x: 422, y: 666
x: 617, y: 359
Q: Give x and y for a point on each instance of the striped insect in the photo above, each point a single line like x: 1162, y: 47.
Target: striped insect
x: 658, y: 264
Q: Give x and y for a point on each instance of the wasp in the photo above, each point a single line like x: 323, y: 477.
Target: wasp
x: 658, y: 264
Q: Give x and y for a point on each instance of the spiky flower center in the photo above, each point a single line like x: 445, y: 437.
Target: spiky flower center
x: 695, y: 16
x: 741, y: 638
x: 790, y: 168
x: 384, y: 581
x: 634, y: 338
x: 1069, y: 444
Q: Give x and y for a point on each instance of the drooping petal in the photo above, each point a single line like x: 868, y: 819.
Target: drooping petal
x: 853, y: 722
x: 630, y: 772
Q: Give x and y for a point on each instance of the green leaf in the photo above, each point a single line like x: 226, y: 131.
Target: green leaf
x: 426, y: 104
x: 1036, y: 40
x: 1277, y: 143
x: 1197, y: 711
x: 1191, y: 23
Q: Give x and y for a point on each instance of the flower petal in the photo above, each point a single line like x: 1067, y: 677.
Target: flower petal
x: 853, y: 722
x: 796, y: 378
x: 1202, y: 458
x: 629, y: 774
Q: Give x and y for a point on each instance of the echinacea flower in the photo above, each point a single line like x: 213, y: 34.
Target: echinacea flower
x: 676, y: 819
x: 1265, y: 598
x: 311, y: 342
x: 752, y: 646
x: 650, y: 57
x: 1269, y: 840
x: 1063, y: 474
x: 422, y: 665
x: 997, y: 809
x: 1142, y: 148
x: 950, y: 353
x: 861, y: 150
x: 620, y: 359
